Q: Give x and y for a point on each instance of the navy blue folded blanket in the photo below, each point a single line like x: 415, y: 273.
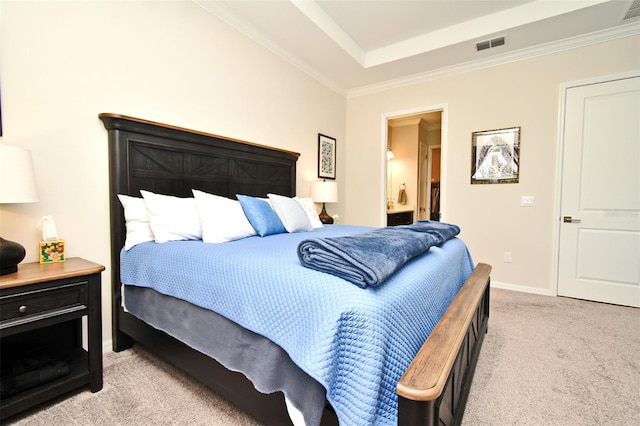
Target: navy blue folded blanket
x: 367, y: 259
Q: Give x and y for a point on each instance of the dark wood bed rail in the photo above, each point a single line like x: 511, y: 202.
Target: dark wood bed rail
x: 435, y: 386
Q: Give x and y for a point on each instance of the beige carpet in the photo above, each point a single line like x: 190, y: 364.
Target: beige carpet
x: 545, y: 361
x: 557, y: 361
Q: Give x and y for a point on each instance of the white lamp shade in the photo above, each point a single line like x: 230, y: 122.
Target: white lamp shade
x: 324, y: 192
x: 17, y: 180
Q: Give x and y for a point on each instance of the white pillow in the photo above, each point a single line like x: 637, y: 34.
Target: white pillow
x: 291, y: 213
x: 172, y: 218
x: 222, y: 218
x: 136, y: 221
x: 310, y: 209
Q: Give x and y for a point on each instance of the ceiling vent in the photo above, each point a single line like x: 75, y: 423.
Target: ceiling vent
x: 634, y: 10
x: 488, y: 44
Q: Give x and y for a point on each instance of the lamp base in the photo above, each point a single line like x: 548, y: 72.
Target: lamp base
x: 324, y: 217
x: 11, y: 253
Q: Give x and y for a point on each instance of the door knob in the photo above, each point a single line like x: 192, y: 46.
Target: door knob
x: 569, y: 219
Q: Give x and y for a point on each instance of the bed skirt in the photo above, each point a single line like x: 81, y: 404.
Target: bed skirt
x: 263, y: 362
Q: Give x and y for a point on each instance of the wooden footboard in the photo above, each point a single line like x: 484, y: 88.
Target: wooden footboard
x: 435, y: 387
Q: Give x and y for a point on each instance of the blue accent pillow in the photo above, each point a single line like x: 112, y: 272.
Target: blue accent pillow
x: 261, y: 216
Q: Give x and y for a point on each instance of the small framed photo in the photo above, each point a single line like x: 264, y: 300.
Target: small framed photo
x: 326, y: 157
x: 495, y: 156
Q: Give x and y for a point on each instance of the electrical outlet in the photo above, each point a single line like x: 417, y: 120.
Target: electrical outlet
x: 507, y: 257
x: 526, y: 201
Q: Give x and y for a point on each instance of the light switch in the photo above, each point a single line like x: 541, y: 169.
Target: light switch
x: 526, y: 201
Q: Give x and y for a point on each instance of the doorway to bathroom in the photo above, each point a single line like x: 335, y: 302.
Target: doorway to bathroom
x: 414, y: 189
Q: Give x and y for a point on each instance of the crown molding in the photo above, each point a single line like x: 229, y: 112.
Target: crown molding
x: 219, y: 10
x: 622, y: 31
x: 222, y: 12
x: 318, y: 16
x: 527, y: 13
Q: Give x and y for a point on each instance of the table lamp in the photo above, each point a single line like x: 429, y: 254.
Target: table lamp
x: 17, y: 185
x: 324, y: 192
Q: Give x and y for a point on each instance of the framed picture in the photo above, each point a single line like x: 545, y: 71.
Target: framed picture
x: 326, y: 157
x: 495, y: 156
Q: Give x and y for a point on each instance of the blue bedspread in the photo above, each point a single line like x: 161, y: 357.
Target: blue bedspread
x: 355, y: 343
x: 369, y: 258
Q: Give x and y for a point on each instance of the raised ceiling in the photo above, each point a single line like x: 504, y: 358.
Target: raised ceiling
x: 354, y: 46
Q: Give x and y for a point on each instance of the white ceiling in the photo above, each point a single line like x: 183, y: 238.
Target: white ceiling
x: 354, y: 46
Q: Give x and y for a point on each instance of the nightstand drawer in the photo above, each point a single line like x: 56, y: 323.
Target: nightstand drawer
x: 60, y: 298
x: 400, y: 218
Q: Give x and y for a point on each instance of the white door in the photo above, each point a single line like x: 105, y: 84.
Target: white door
x: 599, y: 252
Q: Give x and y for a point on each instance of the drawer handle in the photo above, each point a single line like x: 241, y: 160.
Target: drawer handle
x: 22, y: 309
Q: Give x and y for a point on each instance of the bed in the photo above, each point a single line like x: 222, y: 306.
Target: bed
x: 164, y: 159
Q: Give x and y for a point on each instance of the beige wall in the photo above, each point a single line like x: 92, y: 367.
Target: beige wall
x: 63, y: 63
x: 524, y: 93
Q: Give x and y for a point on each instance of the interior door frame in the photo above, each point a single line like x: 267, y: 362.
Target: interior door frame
x: 424, y: 162
x: 564, y: 87
x: 444, y: 109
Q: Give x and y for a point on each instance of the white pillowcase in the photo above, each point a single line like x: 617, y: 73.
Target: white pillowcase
x: 310, y: 209
x: 136, y: 221
x: 172, y: 218
x: 222, y: 219
x: 291, y: 213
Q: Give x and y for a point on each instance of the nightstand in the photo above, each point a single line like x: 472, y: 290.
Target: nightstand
x: 41, y: 351
x: 399, y: 218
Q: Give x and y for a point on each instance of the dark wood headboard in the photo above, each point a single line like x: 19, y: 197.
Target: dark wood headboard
x: 171, y: 160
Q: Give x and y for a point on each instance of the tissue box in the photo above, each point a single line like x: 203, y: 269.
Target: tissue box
x: 52, y: 251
